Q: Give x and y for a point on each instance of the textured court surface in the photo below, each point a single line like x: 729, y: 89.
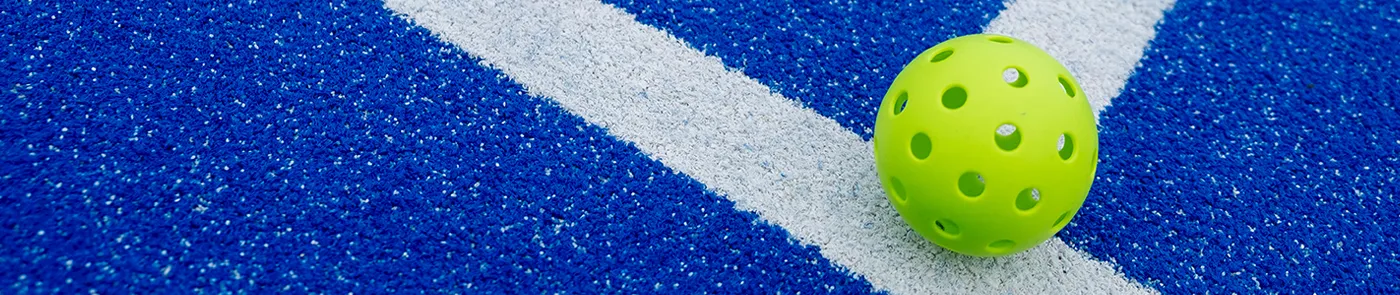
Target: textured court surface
x: 371, y: 147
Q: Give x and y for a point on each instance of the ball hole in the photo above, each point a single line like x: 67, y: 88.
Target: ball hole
x: 954, y: 97
x: 1064, y: 218
x: 1001, y: 246
x: 1028, y: 199
x: 898, y: 188
x: 971, y: 184
x: 1065, y: 147
x: 942, y: 55
x: 1014, y: 76
x: 1093, y: 159
x: 920, y: 146
x: 947, y: 227
x: 1000, y: 39
x: 1008, y: 137
x: 1064, y: 84
x: 901, y: 102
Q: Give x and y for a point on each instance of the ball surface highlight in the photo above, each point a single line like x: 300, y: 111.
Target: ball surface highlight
x: 986, y: 145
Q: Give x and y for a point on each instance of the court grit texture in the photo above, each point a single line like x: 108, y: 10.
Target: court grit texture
x: 162, y: 146
x: 1255, y: 150
x: 171, y: 147
x: 836, y: 57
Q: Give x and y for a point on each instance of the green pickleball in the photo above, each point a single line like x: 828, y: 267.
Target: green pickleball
x: 986, y: 145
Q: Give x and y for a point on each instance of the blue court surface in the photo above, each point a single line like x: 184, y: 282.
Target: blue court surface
x: 157, y: 147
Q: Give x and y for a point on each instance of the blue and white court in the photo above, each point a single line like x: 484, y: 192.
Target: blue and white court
x: 668, y: 146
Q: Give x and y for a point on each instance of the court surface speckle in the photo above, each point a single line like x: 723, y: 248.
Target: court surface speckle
x: 338, y: 147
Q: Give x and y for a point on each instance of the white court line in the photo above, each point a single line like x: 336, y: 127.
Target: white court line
x: 790, y: 165
x: 1099, y: 41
